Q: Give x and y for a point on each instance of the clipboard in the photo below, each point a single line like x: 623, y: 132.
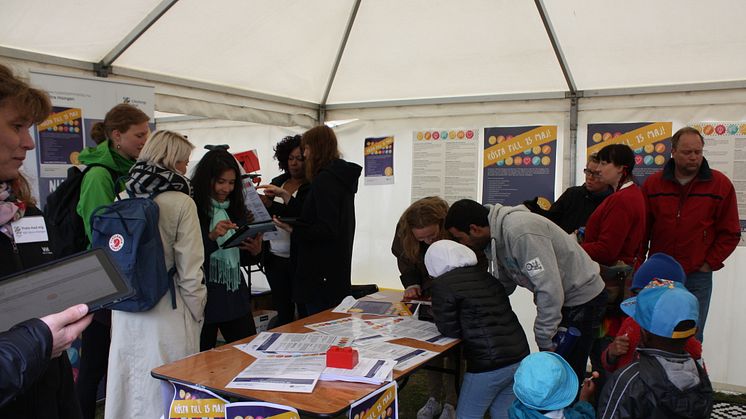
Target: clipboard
x: 246, y: 231
x: 89, y: 277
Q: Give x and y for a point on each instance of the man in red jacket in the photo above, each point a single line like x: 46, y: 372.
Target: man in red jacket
x: 692, y: 215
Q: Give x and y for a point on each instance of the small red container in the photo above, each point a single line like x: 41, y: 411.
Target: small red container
x: 341, y: 357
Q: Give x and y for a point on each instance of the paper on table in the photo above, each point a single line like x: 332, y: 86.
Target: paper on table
x: 255, y: 205
x: 292, y: 373
x: 369, y: 371
x: 305, y: 343
x: 362, y: 331
x: 405, y: 356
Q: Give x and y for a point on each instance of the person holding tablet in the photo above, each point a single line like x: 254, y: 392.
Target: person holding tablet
x: 290, y: 188
x: 321, y: 242
x: 218, y: 193
x: 36, y: 375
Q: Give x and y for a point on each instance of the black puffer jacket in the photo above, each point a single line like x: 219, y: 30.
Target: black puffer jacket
x: 31, y: 385
x: 469, y: 304
x: 660, y: 385
x: 322, y: 242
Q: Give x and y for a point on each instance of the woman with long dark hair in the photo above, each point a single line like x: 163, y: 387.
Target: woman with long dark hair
x: 218, y: 193
x: 321, y: 241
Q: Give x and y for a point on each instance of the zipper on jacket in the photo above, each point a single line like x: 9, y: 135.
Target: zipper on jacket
x: 16, y: 254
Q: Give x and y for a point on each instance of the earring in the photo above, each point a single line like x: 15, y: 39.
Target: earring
x: 119, y: 146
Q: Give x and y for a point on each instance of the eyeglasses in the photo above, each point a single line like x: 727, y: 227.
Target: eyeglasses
x: 589, y: 172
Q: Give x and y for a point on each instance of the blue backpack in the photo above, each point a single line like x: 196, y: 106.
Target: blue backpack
x: 128, y: 230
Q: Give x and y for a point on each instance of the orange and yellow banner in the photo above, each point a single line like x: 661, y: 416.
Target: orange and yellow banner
x: 60, y: 118
x: 635, y: 139
x: 501, y: 150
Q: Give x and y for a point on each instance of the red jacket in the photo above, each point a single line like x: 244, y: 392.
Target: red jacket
x: 616, y: 228
x: 695, y: 223
x: 632, y: 329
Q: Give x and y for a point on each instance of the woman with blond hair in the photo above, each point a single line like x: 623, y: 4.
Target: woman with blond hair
x: 144, y: 340
x: 419, y: 226
x: 321, y: 241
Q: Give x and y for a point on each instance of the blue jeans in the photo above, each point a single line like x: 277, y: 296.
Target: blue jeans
x: 491, y: 390
x: 700, y: 284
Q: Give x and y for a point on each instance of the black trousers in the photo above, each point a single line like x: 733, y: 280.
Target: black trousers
x: 587, y: 318
x: 232, y: 330
x: 94, y: 360
x: 280, y: 274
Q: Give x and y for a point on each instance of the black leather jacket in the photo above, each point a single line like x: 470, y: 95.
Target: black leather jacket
x: 470, y: 304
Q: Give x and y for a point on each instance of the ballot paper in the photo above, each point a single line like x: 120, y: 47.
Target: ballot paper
x: 405, y: 356
x: 297, y: 343
x: 369, y: 371
x: 291, y: 373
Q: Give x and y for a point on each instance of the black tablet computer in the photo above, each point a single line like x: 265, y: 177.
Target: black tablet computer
x: 90, y: 277
x: 246, y: 231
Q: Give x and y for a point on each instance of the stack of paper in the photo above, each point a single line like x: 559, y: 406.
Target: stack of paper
x: 369, y: 371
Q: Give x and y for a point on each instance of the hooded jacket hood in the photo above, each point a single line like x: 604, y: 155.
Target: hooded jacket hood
x: 676, y: 383
x: 347, y: 173
x: 103, y: 154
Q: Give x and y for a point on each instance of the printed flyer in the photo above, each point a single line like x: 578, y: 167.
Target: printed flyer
x: 379, y: 161
x: 381, y: 404
x: 444, y: 163
x: 193, y: 403
x: 651, y: 142
x: 725, y: 150
x: 519, y: 164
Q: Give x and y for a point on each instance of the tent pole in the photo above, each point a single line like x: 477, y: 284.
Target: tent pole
x: 103, y: 67
x: 573, y: 140
x: 340, y: 52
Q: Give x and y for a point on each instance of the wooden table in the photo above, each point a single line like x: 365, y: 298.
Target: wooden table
x: 215, y: 368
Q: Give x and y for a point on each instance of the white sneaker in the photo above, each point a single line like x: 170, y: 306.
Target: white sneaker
x: 449, y: 412
x: 430, y: 410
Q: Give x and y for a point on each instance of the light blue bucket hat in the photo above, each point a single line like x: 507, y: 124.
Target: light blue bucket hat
x: 545, y: 381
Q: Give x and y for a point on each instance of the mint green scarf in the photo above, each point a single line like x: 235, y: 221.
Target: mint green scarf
x: 224, y: 263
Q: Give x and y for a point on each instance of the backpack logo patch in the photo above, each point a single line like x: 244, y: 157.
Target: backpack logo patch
x: 116, y: 242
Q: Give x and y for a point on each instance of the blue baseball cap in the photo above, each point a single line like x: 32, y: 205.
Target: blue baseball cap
x: 545, y: 381
x: 658, y: 266
x: 661, y: 306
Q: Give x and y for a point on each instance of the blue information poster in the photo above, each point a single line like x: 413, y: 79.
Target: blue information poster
x: 379, y: 161
x: 651, y: 142
x: 519, y: 164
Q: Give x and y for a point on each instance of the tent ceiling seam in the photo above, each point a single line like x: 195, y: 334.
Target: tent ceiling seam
x: 556, y: 46
x: 103, y: 67
x: 338, y: 59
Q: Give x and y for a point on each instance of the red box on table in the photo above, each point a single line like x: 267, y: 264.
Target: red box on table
x: 341, y: 357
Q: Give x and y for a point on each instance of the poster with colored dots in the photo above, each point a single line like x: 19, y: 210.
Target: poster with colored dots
x: 61, y: 136
x: 259, y: 410
x: 381, y: 404
x: 379, y: 160
x: 445, y: 163
x: 519, y: 164
x: 725, y: 151
x: 650, y: 141
x: 190, y: 402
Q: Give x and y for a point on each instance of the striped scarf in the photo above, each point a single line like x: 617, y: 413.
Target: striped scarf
x: 150, y: 179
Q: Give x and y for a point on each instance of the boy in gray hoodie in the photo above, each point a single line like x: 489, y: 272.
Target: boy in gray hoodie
x: 529, y: 250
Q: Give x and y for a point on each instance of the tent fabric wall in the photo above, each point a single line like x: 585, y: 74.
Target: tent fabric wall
x: 378, y: 207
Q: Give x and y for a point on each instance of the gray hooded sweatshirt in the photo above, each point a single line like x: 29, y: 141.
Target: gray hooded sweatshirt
x: 533, y: 252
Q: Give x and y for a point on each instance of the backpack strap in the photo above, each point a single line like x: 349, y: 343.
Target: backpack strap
x: 171, y: 286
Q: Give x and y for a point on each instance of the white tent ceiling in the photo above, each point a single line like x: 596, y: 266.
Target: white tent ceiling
x: 375, y: 52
